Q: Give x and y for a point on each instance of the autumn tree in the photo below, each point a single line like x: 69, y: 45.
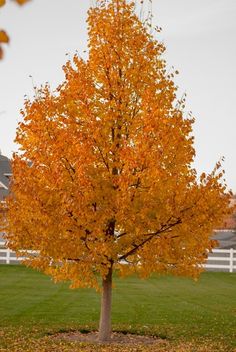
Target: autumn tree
x: 104, y: 179
x: 4, y: 38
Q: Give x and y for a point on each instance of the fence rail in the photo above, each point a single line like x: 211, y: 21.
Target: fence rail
x: 7, y: 256
x: 222, y: 259
x: 218, y: 259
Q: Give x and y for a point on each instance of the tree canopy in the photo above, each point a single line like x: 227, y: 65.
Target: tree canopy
x: 104, y: 176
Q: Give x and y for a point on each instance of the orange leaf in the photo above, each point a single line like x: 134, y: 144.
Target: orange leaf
x: 2, y: 2
x: 21, y: 2
x: 4, y: 37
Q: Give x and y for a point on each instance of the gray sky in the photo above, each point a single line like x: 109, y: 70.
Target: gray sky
x: 200, y: 36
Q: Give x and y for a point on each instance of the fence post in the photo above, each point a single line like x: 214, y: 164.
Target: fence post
x: 231, y: 260
x: 8, y: 256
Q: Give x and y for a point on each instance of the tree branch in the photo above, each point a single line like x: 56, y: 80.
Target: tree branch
x: 164, y: 228
x: 103, y: 159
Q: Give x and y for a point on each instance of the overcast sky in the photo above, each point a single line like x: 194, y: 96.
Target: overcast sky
x: 200, y: 36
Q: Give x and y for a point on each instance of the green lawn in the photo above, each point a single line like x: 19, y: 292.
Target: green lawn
x: 173, y: 308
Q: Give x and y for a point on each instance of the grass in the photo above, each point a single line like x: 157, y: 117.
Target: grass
x: 176, y: 309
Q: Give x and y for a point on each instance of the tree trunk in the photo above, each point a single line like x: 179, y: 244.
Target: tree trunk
x: 105, y: 315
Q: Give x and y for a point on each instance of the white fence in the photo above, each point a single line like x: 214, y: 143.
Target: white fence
x: 222, y: 259
x: 7, y: 256
x: 218, y: 259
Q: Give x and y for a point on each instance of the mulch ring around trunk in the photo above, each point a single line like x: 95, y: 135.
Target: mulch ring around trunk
x: 116, y: 338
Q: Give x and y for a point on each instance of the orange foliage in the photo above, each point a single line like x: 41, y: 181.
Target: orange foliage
x: 4, y: 38
x: 104, y: 174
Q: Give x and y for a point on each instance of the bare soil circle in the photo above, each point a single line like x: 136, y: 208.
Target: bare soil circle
x: 116, y: 338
